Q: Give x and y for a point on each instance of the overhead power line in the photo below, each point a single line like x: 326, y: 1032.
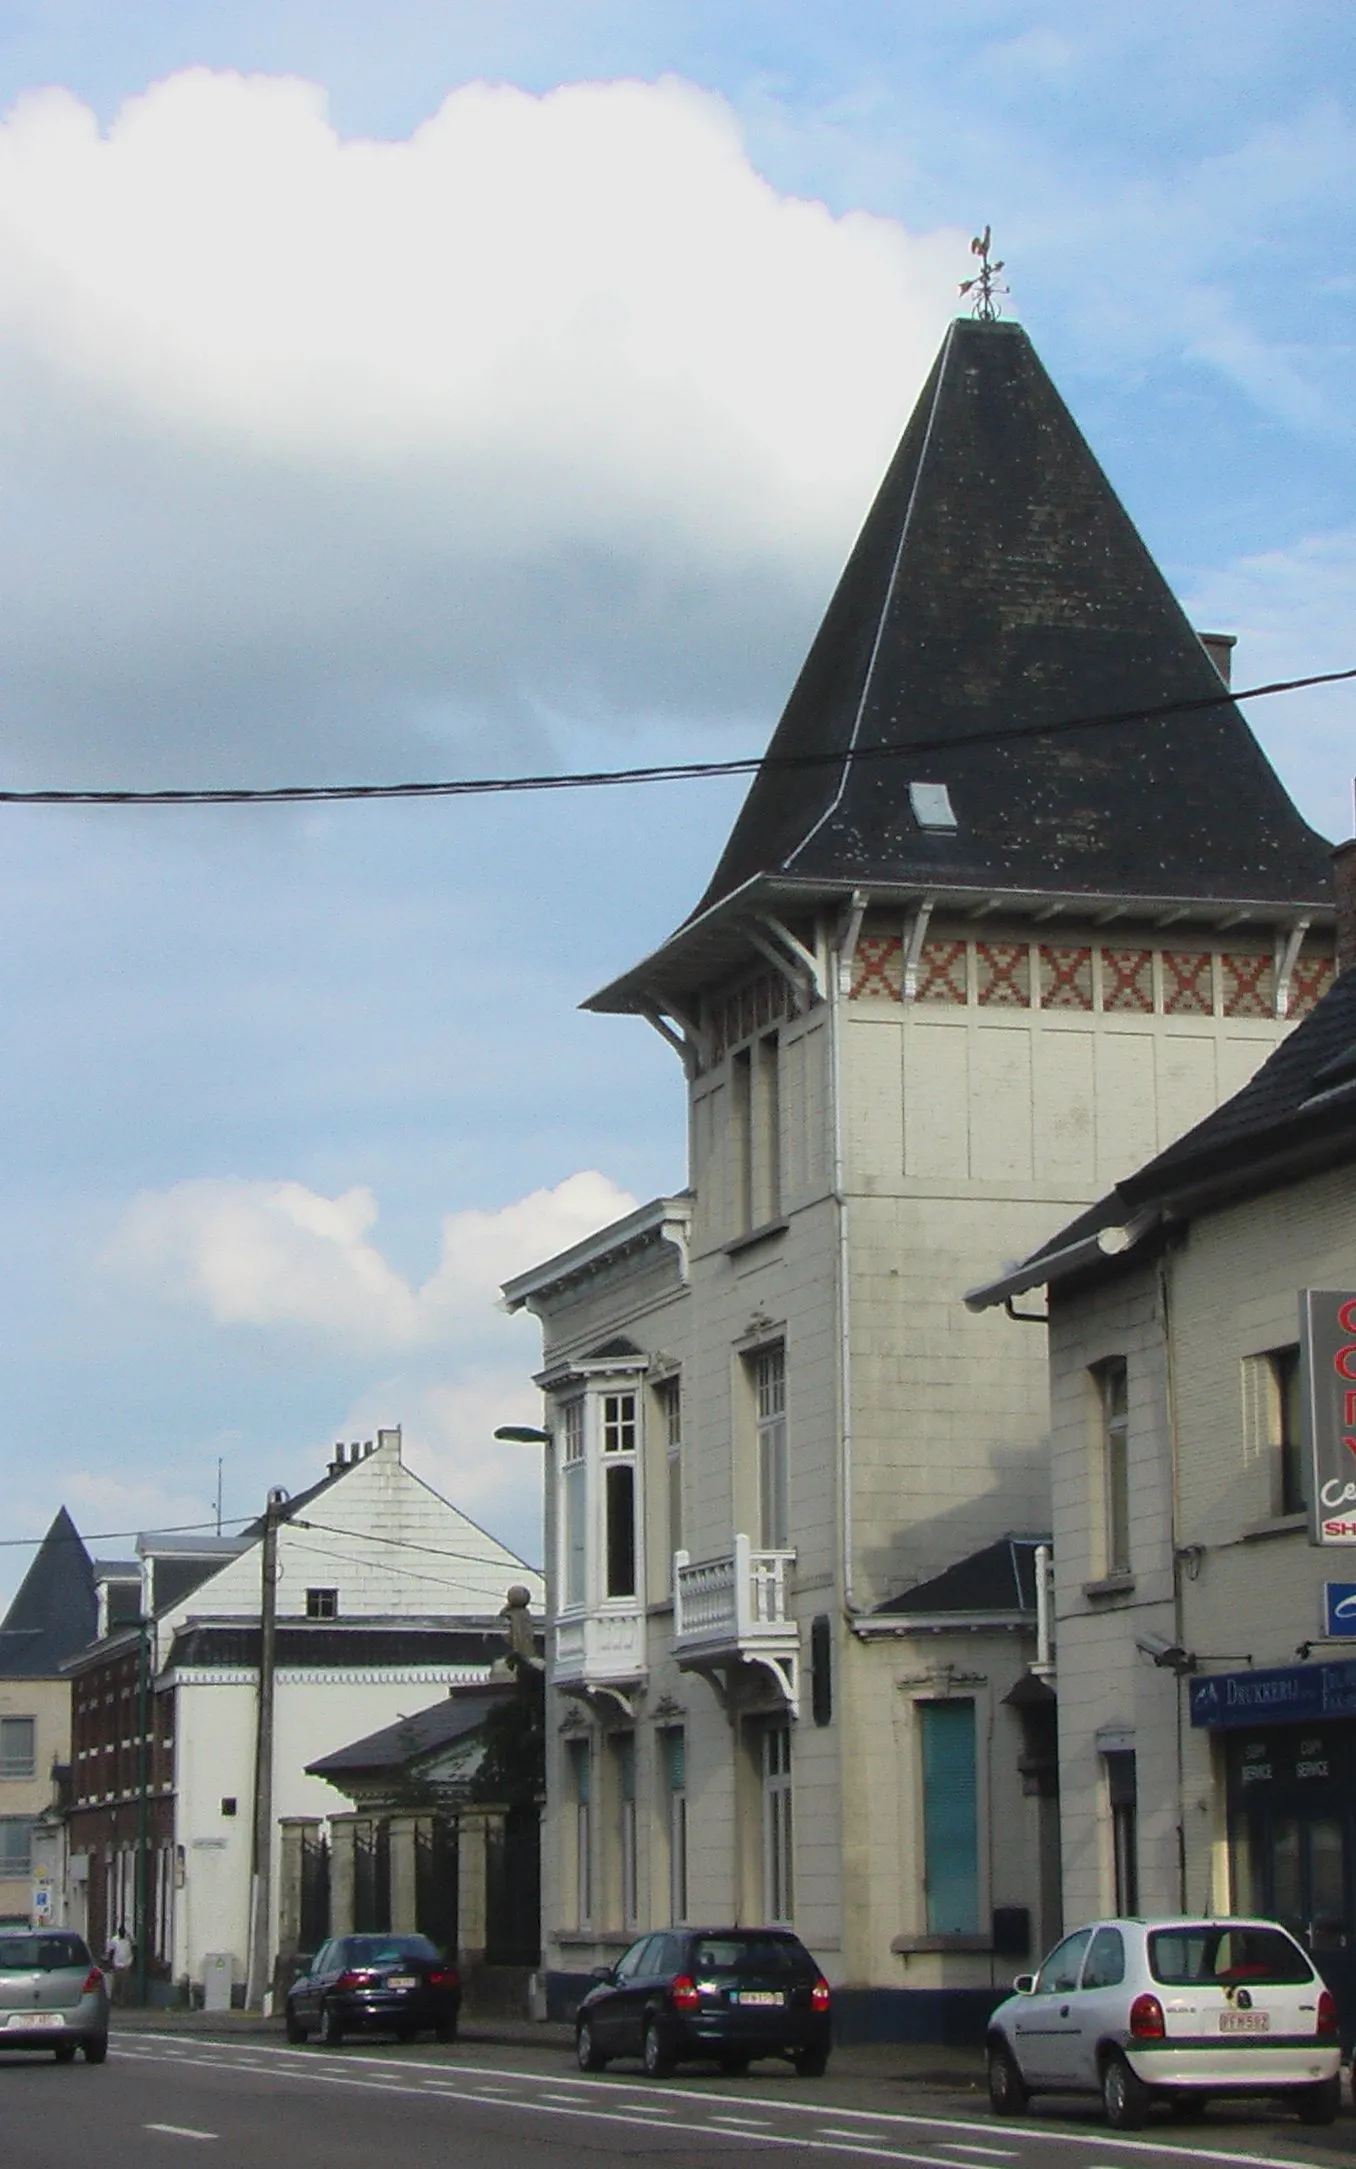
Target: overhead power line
x: 596, y: 779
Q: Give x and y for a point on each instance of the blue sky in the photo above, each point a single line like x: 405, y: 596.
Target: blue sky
x: 445, y: 389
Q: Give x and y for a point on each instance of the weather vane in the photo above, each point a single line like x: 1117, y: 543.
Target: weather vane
x: 985, y: 285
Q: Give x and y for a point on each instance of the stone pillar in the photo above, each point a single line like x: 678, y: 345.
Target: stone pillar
x: 404, y: 1889
x: 294, y: 1831
x: 341, y: 1874
x: 471, y: 1888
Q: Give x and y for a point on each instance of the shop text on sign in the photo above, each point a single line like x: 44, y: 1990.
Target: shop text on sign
x: 1328, y: 1371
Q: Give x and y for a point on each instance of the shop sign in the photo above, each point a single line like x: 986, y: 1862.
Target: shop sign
x: 1292, y: 1694
x: 1328, y: 1381
x: 1339, y: 1610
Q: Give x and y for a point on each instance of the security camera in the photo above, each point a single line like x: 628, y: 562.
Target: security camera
x: 1155, y: 1646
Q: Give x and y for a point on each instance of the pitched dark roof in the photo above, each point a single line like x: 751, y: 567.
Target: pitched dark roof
x: 55, y: 1611
x: 411, y: 1738
x: 999, y: 1578
x: 335, y: 1645
x: 999, y: 581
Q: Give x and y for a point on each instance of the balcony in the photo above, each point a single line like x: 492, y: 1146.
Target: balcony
x: 601, y: 1653
x: 733, y: 1610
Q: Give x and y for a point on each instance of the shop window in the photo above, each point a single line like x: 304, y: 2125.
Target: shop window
x: 950, y: 1818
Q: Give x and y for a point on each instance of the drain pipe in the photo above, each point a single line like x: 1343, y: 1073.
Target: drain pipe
x: 840, y: 969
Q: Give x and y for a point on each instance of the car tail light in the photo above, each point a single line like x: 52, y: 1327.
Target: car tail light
x: 685, y: 1994
x: 1146, y: 2019
x: 94, y: 1981
x: 349, y: 1979
x: 444, y: 1977
x: 1327, y: 2012
x: 819, y: 1995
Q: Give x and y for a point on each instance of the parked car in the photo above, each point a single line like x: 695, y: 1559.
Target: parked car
x: 375, y: 1983
x: 1169, y: 2010
x: 724, y: 1994
x: 52, y: 1995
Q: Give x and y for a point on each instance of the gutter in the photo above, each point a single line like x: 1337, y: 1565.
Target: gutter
x: 1051, y: 1265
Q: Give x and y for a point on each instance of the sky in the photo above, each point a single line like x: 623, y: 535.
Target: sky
x: 448, y: 389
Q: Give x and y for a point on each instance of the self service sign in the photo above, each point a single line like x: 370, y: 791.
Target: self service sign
x: 1328, y: 1372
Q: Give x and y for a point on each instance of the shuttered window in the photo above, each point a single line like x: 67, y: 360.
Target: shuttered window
x: 950, y: 1818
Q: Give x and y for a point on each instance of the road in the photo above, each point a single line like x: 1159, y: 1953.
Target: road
x: 166, y: 2102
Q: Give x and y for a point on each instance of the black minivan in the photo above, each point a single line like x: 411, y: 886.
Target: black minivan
x: 724, y: 1995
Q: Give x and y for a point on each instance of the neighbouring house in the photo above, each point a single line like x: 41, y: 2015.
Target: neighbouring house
x: 54, y: 1612
x: 386, y: 1593
x: 1206, y: 1681
x: 1014, y: 900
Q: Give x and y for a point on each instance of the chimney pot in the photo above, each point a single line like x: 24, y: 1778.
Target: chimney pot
x: 1344, y: 880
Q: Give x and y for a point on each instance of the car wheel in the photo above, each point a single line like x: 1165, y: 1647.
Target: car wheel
x: 1320, y: 2104
x: 331, y: 2027
x: 96, y: 2052
x: 445, y: 2031
x: 66, y: 2053
x: 1124, y: 2097
x: 658, y: 2057
x: 810, y: 2063
x: 296, y: 2032
x: 587, y: 2054
x: 1008, y: 2090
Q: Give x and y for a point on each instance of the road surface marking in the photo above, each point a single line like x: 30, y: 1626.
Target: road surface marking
x: 181, y: 2131
x: 994, y: 2153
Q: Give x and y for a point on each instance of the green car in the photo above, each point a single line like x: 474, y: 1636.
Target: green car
x: 52, y: 1995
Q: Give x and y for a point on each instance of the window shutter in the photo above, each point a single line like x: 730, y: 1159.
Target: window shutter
x: 950, y: 1818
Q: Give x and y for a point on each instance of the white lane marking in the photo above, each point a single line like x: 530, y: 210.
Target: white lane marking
x: 180, y: 2131
x: 1037, y: 2132
x: 743, y: 2123
x: 993, y: 2153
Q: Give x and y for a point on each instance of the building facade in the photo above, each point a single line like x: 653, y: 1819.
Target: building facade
x: 982, y: 936
x: 54, y: 1613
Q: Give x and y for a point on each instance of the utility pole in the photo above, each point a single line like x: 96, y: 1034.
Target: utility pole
x: 261, y: 1847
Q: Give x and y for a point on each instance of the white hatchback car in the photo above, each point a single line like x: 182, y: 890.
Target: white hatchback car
x: 1169, y: 2010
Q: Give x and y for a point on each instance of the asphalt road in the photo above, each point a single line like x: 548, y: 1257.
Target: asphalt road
x: 162, y: 2102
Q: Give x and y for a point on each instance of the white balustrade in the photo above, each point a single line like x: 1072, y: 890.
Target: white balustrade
x: 734, y: 1602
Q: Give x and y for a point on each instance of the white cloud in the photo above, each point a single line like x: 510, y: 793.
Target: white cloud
x: 316, y: 444
x: 278, y: 1256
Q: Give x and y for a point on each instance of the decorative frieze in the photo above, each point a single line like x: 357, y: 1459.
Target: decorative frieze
x: 878, y: 967
x: 1066, y: 977
x: 1188, y: 983
x: 1003, y: 974
x: 1128, y: 980
x: 942, y: 972
x: 1309, y: 982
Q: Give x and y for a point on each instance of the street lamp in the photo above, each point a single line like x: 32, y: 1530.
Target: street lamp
x: 522, y: 1434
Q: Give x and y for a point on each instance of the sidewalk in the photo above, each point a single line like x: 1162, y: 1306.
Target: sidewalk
x: 917, y: 2063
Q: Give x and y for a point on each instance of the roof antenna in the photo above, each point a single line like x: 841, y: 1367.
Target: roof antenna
x: 985, y: 285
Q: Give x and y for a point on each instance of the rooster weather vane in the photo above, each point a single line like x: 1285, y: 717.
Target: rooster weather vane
x: 985, y: 285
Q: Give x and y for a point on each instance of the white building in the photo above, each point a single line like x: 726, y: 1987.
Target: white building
x: 960, y: 964
x: 386, y: 1595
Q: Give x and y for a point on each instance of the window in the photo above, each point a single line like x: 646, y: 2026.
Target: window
x: 1289, y: 1490
x: 669, y: 1399
x: 1106, y: 1960
x: 322, y: 1604
x: 673, y: 1748
x: 755, y: 1133
x: 778, y: 1847
x: 769, y: 1385
x: 574, y: 1503
x: 18, y: 1746
x: 1114, y: 1397
x: 624, y: 1749
x: 1059, y: 1975
x: 16, y: 1845
x: 580, y: 1759
x: 1123, y: 1797
x: 619, y: 1491
x: 950, y: 1818
x: 741, y: 1138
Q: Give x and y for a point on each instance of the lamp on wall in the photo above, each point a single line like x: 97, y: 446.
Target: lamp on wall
x: 522, y: 1434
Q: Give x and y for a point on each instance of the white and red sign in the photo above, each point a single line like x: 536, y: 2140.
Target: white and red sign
x: 1328, y: 1373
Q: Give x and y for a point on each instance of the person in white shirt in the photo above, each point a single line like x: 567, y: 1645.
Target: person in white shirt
x: 118, y: 1959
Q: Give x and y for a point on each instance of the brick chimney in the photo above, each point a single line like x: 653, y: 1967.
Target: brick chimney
x: 1344, y: 882
x: 1220, y: 649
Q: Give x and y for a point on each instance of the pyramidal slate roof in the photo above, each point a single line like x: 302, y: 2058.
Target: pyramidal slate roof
x: 999, y: 584
x: 55, y: 1611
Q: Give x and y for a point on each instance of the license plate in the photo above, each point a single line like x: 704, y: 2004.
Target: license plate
x: 31, y: 2019
x: 1245, y: 2021
x: 401, y: 1980
x: 765, y: 1996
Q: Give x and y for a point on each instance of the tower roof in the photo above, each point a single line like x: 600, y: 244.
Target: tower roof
x: 55, y: 1611
x: 998, y: 585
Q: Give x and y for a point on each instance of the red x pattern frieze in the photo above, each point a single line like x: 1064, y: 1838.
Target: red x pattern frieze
x: 1128, y: 979
x: 1248, y: 986
x: 1188, y: 983
x: 1066, y: 978
x: 1309, y: 982
x: 941, y: 972
x: 1004, y: 974
x: 880, y: 967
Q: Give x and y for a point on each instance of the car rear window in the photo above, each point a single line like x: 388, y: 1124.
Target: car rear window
x: 387, y: 1950
x: 713, y: 1956
x: 41, y: 1954
x: 1192, y: 1957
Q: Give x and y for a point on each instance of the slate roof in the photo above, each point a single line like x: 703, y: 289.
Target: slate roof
x: 999, y: 583
x: 411, y: 1738
x: 1001, y: 1578
x: 55, y: 1610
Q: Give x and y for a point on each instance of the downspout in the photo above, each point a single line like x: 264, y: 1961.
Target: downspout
x: 1178, y: 1628
x: 840, y: 966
